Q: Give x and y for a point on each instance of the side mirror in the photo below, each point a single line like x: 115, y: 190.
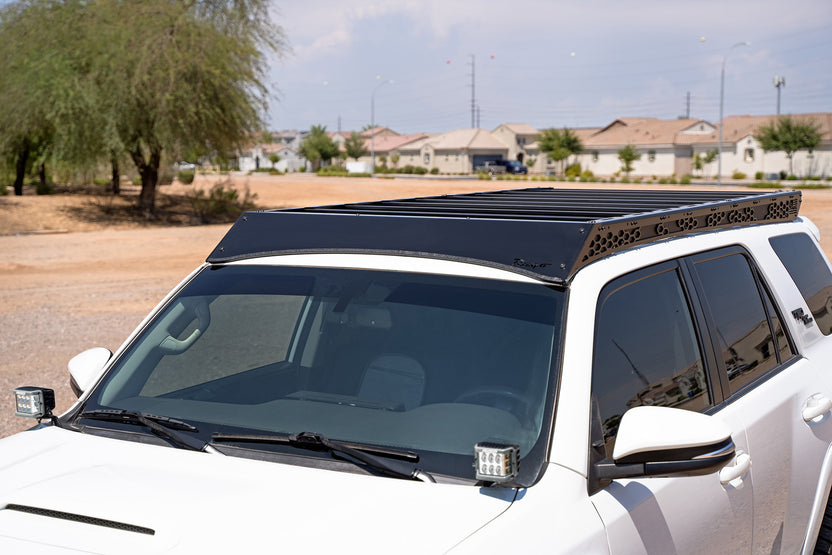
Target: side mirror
x: 663, y: 441
x: 85, y: 368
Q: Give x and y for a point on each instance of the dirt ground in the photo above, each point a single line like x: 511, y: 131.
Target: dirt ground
x: 80, y: 271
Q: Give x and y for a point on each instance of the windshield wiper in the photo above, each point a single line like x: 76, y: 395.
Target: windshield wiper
x: 162, y: 426
x: 367, y: 454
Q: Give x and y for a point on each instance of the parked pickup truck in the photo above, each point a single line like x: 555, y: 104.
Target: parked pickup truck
x: 495, y: 167
x: 526, y: 371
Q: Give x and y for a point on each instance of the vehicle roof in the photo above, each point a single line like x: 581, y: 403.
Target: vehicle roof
x: 547, y: 233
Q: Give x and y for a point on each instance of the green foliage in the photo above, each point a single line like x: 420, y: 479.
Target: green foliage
x: 573, y: 170
x: 142, y: 78
x: 559, y: 144
x: 627, y: 156
x: 738, y: 175
x: 274, y: 158
x: 222, y: 203
x: 185, y: 177
x: 685, y: 180
x: 434, y: 171
x: 788, y: 135
x: 44, y: 188
x: 758, y: 176
x: 101, y: 181
x: 627, y: 180
x: 331, y: 170
x: 318, y: 146
x: 354, y: 146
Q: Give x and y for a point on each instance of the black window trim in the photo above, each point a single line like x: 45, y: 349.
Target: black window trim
x: 703, y: 324
x: 717, y: 364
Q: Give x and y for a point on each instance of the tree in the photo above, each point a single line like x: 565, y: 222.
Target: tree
x: 318, y: 146
x: 354, y: 145
x: 145, y: 78
x: 699, y: 161
x: 559, y: 144
x: 394, y: 159
x: 788, y: 135
x: 628, y: 155
x: 273, y: 158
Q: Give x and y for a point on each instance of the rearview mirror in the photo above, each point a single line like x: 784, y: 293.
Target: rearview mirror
x: 85, y: 368
x: 663, y: 441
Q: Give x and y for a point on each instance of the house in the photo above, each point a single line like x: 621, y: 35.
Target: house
x: 257, y: 157
x: 458, y: 151
x: 668, y: 147
x: 664, y: 145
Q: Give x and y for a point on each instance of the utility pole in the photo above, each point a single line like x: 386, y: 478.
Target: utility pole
x: 779, y: 82
x: 687, y: 106
x: 478, y: 116
x: 473, y: 92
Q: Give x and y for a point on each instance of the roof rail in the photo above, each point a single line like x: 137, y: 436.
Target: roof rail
x: 544, y: 232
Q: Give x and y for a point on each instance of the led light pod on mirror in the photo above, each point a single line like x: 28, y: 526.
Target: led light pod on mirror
x: 34, y: 402
x: 495, y: 462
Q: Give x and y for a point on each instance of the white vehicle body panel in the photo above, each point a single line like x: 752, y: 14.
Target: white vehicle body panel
x: 197, y: 502
x: 201, y: 503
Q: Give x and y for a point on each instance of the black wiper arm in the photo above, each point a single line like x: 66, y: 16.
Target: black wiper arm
x: 367, y: 454
x: 162, y: 426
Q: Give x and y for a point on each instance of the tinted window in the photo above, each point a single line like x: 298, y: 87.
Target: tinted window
x: 646, y: 351
x: 743, y: 335
x: 808, y: 269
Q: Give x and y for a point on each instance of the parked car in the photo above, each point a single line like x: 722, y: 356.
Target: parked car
x: 495, y: 167
x: 536, y: 370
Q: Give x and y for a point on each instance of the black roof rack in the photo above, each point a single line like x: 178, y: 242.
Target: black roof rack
x: 545, y: 232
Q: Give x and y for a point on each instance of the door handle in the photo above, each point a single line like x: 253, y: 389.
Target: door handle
x: 736, y: 469
x: 815, y: 407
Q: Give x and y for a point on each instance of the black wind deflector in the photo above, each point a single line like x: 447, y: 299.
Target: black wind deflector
x: 545, y: 232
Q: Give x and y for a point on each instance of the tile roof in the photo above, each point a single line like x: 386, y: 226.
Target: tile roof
x: 387, y: 143
x: 639, y: 131
x: 519, y: 128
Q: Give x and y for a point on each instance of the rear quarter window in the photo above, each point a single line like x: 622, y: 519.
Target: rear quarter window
x: 809, y: 271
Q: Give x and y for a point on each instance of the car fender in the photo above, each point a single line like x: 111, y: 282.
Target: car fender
x: 819, y: 504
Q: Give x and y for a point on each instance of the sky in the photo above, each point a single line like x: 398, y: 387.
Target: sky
x: 548, y: 63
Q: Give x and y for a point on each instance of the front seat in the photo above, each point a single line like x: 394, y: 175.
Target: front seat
x: 394, y: 378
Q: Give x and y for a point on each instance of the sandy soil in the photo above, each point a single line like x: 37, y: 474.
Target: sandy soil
x: 70, y: 280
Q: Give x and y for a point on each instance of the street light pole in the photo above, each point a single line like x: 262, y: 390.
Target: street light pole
x: 721, y: 99
x: 373, y: 126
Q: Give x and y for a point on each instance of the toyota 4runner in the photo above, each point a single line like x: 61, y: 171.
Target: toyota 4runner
x: 541, y: 370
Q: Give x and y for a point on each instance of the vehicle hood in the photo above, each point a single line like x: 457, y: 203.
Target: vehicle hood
x: 99, y: 495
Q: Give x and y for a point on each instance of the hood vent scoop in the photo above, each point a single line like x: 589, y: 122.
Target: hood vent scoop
x: 80, y: 518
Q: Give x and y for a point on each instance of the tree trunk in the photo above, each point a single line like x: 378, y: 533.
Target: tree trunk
x: 789, y: 156
x: 149, y: 172
x: 20, y: 168
x: 42, y: 174
x: 116, y: 180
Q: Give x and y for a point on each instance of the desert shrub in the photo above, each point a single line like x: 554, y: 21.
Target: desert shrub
x: 222, y: 203
x: 573, y: 170
x: 165, y: 177
x: 663, y: 181
x: 333, y: 170
x: 783, y: 174
x: 101, y: 181
x: 137, y: 181
x: 3, y: 190
x: 685, y: 180
x: 738, y: 175
x: 434, y: 171
x: 791, y: 178
x: 758, y: 176
x: 365, y: 174
x: 418, y: 170
x: 44, y: 188
x: 185, y: 177
x: 626, y: 180
x: 275, y: 172
x: 672, y: 180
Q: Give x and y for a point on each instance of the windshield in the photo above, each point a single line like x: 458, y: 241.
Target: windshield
x: 425, y: 363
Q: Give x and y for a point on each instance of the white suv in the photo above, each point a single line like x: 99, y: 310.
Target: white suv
x: 537, y: 371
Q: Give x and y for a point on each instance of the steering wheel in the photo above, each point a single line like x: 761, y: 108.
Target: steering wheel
x: 502, y: 398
